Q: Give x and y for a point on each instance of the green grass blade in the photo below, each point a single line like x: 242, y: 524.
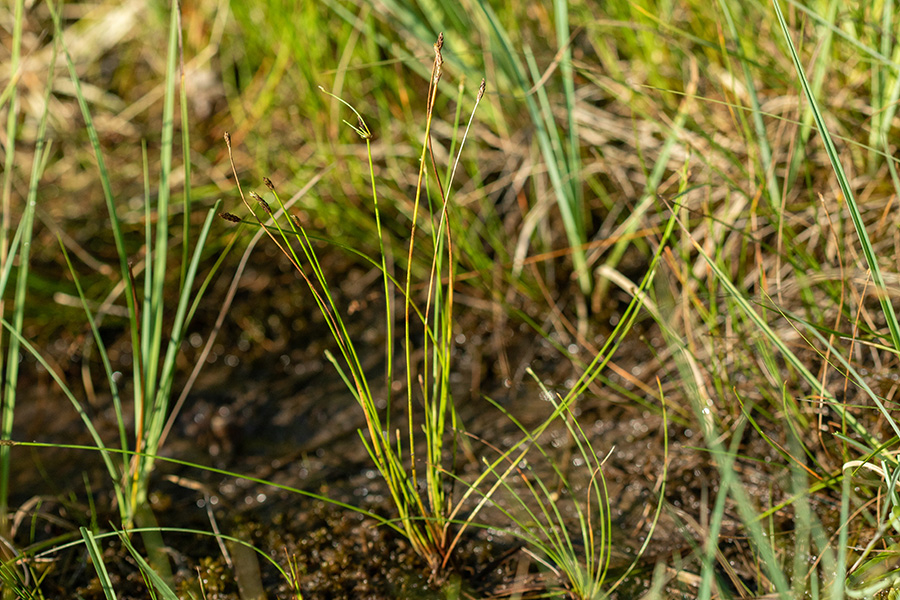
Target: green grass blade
x: 179, y: 327
x: 101, y: 348
x: 782, y: 348
x: 573, y: 151
x: 833, y: 156
x: 187, y: 200
x: 762, y: 139
x: 158, y: 582
x: 159, y: 259
x: 99, y: 566
x: 24, y: 233
x: 837, y: 589
x: 546, y: 131
x: 716, y: 517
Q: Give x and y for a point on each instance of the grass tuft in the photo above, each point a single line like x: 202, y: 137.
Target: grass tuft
x: 419, y: 494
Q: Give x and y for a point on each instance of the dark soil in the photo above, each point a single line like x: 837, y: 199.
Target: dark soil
x: 271, y: 407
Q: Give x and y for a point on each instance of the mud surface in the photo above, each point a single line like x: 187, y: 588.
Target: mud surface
x: 270, y: 406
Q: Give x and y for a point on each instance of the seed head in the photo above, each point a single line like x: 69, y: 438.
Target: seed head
x: 362, y: 130
x: 269, y: 183
x: 438, y: 58
x: 265, y: 205
x: 230, y: 217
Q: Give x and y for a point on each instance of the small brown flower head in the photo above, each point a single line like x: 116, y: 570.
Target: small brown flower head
x: 481, y: 89
x: 363, y: 131
x: 265, y: 205
x: 438, y: 57
x: 269, y: 183
x: 228, y: 140
x: 297, y: 222
x: 230, y: 217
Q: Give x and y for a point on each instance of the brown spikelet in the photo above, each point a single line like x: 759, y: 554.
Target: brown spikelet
x: 438, y: 57
x: 481, y: 89
x: 296, y: 220
x: 269, y: 183
x: 230, y: 217
x: 364, y: 132
x: 228, y: 140
x: 265, y: 205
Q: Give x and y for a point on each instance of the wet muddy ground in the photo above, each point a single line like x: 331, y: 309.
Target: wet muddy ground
x: 270, y: 406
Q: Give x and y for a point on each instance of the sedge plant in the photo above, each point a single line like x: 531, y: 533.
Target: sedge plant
x: 543, y: 514
x: 580, y: 559
x: 420, y: 495
x: 155, y: 336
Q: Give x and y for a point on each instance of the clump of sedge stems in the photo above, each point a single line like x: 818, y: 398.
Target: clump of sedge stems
x: 155, y: 335
x: 421, y: 496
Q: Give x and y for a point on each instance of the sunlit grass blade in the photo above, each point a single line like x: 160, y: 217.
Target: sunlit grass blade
x: 833, y: 156
x: 177, y: 334
x: 773, y: 191
x: 557, y: 158
x: 792, y: 359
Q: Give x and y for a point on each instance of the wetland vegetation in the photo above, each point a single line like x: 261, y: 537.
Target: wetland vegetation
x: 292, y: 307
